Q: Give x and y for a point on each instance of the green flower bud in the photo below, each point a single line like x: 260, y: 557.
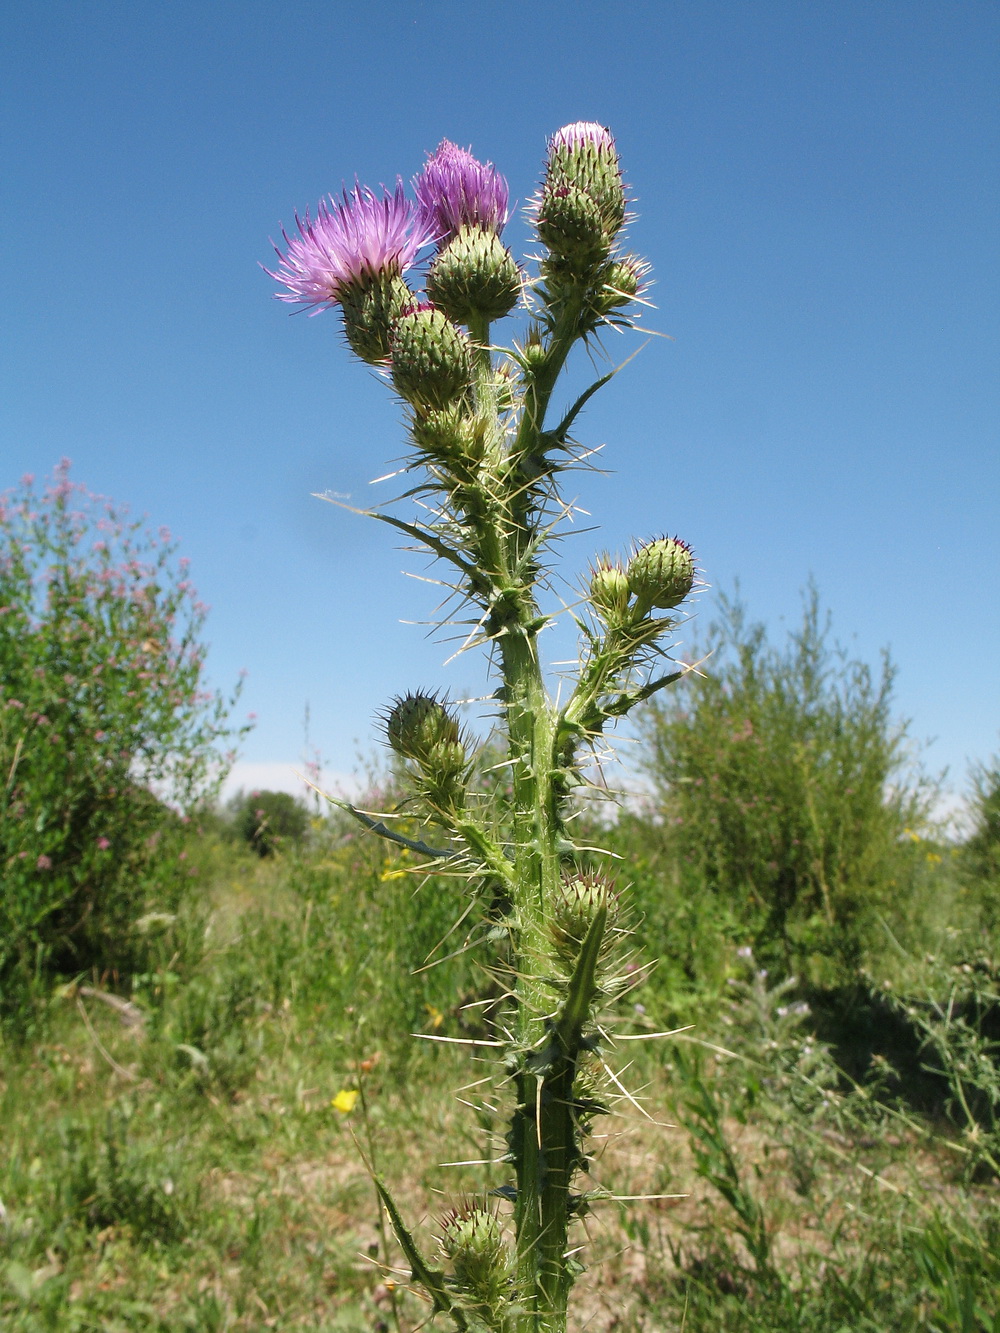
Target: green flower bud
x: 590, y: 1091
x: 474, y: 276
x: 623, y: 282
x: 444, y: 775
x: 445, y: 761
x: 532, y: 356
x: 661, y: 574
x: 371, y: 306
x: 418, y: 724
x: 609, y: 592
x: 448, y: 435
x: 505, y: 387
x: 431, y: 359
x: 584, y: 156
x: 571, y: 225
x: 577, y: 902
x: 473, y: 1239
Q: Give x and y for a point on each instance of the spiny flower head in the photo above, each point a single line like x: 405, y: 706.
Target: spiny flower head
x: 418, y: 723
x: 350, y: 241
x: 624, y: 282
x: 454, y: 190
x: 473, y: 1239
x: 581, y: 206
x: 474, y: 276
x: 609, y: 590
x: 578, y: 900
x: 661, y: 574
x: 431, y: 358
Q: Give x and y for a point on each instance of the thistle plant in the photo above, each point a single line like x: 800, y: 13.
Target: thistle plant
x: 489, y: 454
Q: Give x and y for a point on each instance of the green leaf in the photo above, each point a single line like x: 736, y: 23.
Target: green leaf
x: 582, y: 984
x: 431, y: 1279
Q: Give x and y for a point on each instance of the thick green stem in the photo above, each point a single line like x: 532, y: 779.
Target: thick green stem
x: 526, y: 452
x: 542, y: 380
x: 531, y: 729
x: 543, y: 1136
x: 545, y: 1144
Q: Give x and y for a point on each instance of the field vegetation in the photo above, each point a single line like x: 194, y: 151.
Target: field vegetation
x: 190, y: 1107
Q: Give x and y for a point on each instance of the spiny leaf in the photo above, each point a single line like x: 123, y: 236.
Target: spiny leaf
x: 377, y: 827
x: 414, y: 530
x: 582, y: 984
x: 431, y: 1279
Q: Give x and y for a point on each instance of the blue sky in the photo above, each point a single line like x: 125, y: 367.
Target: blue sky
x: 816, y: 187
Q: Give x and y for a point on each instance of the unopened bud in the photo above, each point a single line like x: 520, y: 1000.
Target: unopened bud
x: 448, y: 435
x: 623, y: 282
x: 532, y: 356
x: 583, y: 156
x: 473, y: 1239
x: 609, y: 592
x: 431, y: 359
x: 571, y: 225
x: 446, y: 761
x: 576, y: 904
x: 661, y: 574
x: 474, y: 276
x: 505, y: 387
x: 418, y: 724
x: 589, y: 1091
x: 371, y: 306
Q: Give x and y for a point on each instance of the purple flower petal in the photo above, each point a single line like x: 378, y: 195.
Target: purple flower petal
x: 349, y: 240
x: 454, y: 190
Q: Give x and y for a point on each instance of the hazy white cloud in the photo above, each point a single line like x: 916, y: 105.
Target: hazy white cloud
x: 286, y: 775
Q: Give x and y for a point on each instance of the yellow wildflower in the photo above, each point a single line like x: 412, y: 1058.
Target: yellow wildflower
x: 344, y: 1100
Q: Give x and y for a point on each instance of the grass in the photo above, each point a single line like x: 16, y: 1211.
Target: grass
x: 178, y: 1164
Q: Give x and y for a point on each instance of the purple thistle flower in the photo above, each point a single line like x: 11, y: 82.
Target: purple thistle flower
x: 360, y: 237
x: 455, y: 191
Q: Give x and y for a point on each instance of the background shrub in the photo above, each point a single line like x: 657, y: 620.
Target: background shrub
x: 783, y: 789
x: 983, y: 848
x: 979, y: 857
x: 269, y: 820
x: 107, y: 732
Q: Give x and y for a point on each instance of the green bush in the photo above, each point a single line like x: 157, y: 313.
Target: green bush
x: 269, y: 820
x: 107, y: 733
x: 781, y: 786
x: 979, y: 857
x: 984, y: 845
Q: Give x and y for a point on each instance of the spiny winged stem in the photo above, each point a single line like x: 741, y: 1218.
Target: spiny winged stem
x: 492, y: 467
